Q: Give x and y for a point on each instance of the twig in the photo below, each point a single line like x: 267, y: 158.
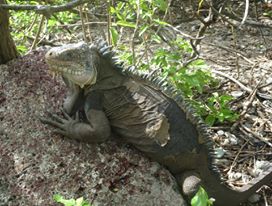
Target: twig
x: 44, y: 32
x: 242, y: 86
x: 246, y: 13
x: 239, y: 53
x: 32, y: 24
x: 109, y: 23
x: 44, y: 42
x: 89, y: 26
x: 237, y: 57
x: 205, y: 24
x: 265, y: 85
x: 234, y: 161
x: 82, y: 23
x: 62, y: 23
x: 219, y: 13
x: 86, y: 23
x: 245, y: 109
x: 38, y: 33
x: 256, y: 135
x: 247, y: 22
x: 135, y: 31
x: 44, y: 9
x: 250, y: 139
x: 189, y: 61
x: 183, y: 34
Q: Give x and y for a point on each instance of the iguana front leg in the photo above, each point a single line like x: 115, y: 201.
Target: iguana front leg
x: 96, y: 128
x: 94, y: 131
x: 74, y: 99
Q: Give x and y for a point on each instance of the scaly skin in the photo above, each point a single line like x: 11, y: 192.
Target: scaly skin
x: 142, y: 111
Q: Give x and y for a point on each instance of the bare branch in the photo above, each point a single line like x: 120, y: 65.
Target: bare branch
x: 38, y: 33
x: 44, y: 9
x: 83, y: 24
x: 246, y: 12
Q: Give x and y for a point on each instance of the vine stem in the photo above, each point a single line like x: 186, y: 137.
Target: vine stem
x: 135, y: 31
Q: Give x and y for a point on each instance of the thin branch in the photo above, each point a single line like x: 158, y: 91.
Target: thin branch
x: 257, y: 136
x: 265, y: 85
x: 239, y: 53
x: 109, y: 23
x: 246, y: 12
x: 44, y: 9
x: 242, y: 86
x: 236, y: 157
x: 246, y: 107
x: 135, y: 31
x: 32, y: 24
x: 38, y: 33
x: 62, y: 24
x: 247, y: 22
x: 183, y: 34
x: 83, y: 24
x: 86, y: 23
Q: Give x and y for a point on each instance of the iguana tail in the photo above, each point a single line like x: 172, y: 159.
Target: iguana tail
x: 224, y: 196
x: 210, y: 181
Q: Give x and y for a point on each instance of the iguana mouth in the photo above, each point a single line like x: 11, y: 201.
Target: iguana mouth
x: 61, y: 67
x: 54, y: 74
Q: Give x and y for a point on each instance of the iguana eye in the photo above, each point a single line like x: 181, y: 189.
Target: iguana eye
x: 69, y: 55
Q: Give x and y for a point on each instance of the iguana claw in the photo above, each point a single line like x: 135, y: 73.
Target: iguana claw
x: 62, y: 124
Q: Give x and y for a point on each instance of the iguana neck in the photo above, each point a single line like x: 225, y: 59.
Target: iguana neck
x: 108, y: 77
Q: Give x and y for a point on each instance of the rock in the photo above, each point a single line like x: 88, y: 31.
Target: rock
x: 220, y: 133
x: 36, y: 164
x: 219, y: 152
x: 237, y: 94
x: 232, y: 139
x: 234, y: 176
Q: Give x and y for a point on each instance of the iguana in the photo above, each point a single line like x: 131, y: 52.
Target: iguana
x: 142, y: 110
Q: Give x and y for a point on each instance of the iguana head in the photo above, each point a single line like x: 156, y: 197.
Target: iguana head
x: 73, y: 61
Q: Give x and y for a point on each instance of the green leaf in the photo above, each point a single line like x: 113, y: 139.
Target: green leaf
x: 114, y: 35
x: 160, y: 22
x: 162, y: 4
x: 201, y: 198
x: 59, y: 199
x: 71, y: 202
x: 200, y: 4
x: 143, y: 29
x: 81, y: 202
x: 210, y: 120
x: 22, y: 49
x: 112, y: 10
x: 156, y: 38
x: 126, y: 24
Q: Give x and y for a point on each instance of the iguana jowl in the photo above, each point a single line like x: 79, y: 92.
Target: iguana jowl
x: 143, y: 111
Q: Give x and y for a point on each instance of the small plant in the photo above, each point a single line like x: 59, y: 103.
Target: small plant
x: 218, y: 107
x: 193, y: 79
x: 70, y: 202
x: 141, y: 17
x: 201, y: 198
